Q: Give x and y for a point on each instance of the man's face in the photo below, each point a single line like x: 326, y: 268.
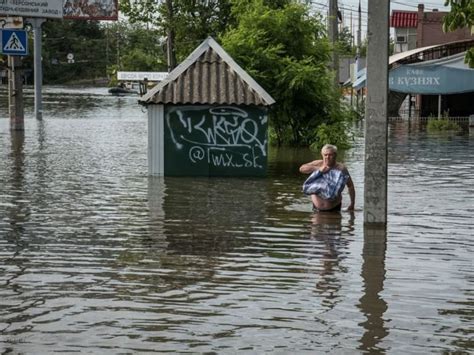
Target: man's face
x: 329, y: 157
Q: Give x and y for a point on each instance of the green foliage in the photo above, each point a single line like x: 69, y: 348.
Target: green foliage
x: 278, y: 42
x: 99, y: 50
x: 335, y: 133
x: 442, y: 125
x: 345, y: 42
x: 286, y: 51
x: 460, y: 16
x: 190, y: 21
x: 61, y: 38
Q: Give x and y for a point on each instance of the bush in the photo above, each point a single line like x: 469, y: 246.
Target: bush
x: 442, y: 125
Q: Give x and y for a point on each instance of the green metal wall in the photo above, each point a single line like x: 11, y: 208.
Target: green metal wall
x: 203, y: 140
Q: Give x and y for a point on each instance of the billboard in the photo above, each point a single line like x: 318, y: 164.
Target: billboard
x: 90, y: 9
x: 36, y: 8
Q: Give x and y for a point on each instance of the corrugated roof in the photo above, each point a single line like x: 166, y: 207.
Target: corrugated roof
x: 208, y: 76
x: 401, y: 19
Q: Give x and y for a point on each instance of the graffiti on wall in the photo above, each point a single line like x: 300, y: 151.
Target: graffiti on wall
x: 225, y: 137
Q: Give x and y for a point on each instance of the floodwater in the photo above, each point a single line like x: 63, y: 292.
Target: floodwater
x: 97, y: 257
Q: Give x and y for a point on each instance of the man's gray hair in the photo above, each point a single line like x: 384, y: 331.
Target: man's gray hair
x: 330, y: 147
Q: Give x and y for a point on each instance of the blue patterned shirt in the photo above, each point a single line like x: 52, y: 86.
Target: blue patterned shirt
x: 327, y: 185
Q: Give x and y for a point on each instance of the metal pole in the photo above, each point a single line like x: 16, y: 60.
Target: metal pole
x: 38, y: 68
x: 15, y: 97
x: 375, y: 173
x: 439, y: 106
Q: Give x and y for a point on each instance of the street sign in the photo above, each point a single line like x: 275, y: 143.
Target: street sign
x: 141, y: 75
x: 14, y: 42
x: 44, y: 9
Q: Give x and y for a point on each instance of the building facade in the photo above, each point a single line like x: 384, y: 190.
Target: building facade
x: 416, y: 29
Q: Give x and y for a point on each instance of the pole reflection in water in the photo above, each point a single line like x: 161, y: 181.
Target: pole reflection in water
x: 16, y: 217
x: 18, y: 211
x: 371, y: 304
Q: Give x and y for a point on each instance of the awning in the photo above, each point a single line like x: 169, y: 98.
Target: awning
x: 449, y: 75
x: 400, y: 19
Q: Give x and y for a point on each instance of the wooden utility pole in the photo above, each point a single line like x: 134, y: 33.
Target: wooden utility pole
x: 15, y: 93
x: 375, y: 187
x: 359, y: 34
x: 333, y: 37
x: 358, y: 54
x: 170, y: 54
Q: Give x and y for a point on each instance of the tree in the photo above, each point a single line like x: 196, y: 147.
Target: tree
x: 84, y: 40
x: 98, y: 49
x: 460, y: 16
x: 139, y: 48
x: 344, y: 43
x: 286, y: 50
x: 190, y: 21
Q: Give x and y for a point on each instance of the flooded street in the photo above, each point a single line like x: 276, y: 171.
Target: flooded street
x: 97, y: 257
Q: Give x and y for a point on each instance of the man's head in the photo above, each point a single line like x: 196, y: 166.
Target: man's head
x: 329, y: 153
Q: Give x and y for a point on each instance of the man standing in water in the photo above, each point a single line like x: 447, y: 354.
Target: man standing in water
x: 326, y: 182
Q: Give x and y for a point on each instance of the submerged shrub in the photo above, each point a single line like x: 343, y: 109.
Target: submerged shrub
x: 442, y: 125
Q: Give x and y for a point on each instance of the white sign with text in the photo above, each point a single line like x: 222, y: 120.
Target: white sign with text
x: 32, y: 8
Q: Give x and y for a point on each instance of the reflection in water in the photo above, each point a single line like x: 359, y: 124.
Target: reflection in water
x: 18, y: 211
x: 326, y: 229
x: 97, y: 257
x: 372, y: 305
x: 17, y: 215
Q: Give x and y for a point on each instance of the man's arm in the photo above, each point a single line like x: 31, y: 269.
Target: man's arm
x: 308, y: 168
x: 352, y: 193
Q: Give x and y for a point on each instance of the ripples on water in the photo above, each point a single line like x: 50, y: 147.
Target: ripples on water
x: 97, y: 257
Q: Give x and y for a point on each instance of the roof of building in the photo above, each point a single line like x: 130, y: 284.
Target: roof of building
x: 401, y: 19
x: 208, y: 76
x: 417, y: 55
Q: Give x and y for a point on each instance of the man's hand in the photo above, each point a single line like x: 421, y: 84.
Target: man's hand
x: 324, y: 169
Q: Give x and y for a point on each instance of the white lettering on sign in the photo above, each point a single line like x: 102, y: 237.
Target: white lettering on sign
x: 419, y: 81
x: 139, y: 75
x: 47, y: 9
x: 222, y: 136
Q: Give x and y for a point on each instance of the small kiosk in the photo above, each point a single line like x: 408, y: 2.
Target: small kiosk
x: 207, y: 118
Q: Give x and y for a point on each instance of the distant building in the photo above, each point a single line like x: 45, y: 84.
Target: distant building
x: 420, y: 29
x: 416, y: 29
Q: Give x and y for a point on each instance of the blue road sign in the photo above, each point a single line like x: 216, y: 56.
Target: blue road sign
x: 14, y: 42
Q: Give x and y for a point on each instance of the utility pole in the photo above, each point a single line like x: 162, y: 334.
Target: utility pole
x: 118, y: 49
x: 375, y: 171
x: 333, y: 37
x: 38, y: 67
x: 15, y: 90
x: 358, y: 54
x: 352, y: 31
x: 170, y: 54
x: 359, y: 39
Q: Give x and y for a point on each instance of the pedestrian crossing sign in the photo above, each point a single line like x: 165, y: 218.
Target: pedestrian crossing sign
x: 14, y: 42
